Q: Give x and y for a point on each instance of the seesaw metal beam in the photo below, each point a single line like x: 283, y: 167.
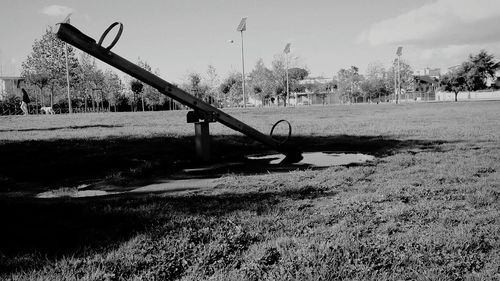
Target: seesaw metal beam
x: 76, y: 38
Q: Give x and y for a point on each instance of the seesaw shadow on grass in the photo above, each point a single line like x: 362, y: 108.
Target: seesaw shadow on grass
x: 31, y: 167
x: 72, y: 227
x: 46, y: 229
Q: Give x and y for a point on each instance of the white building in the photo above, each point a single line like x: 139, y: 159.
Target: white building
x: 431, y: 72
x: 10, y: 85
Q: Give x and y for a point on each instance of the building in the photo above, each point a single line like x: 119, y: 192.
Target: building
x: 10, y: 85
x: 425, y: 88
x: 312, y: 80
x: 309, y: 96
x: 431, y: 72
x: 426, y: 84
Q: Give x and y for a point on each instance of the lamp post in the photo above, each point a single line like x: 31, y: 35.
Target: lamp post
x: 286, y: 51
x: 242, y: 27
x: 70, y: 109
x: 399, y: 52
x: 395, y: 77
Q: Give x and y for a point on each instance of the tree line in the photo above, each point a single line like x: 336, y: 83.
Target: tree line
x: 267, y: 85
x: 93, y: 89
x: 378, y: 84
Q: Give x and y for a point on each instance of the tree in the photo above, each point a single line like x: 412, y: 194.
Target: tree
x: 136, y: 86
x: 113, y: 88
x: 153, y: 97
x: 89, y: 81
x: 150, y: 96
x: 40, y: 81
x: 279, y: 73
x: 471, y: 75
x: 295, y: 74
x: 195, y: 86
x: 97, y: 83
x: 349, y: 83
x: 478, y: 69
x: 374, y: 85
x: 46, y: 65
x: 454, y: 81
x: 231, y: 87
x: 9, y: 105
x: 261, y: 81
x: 212, y: 83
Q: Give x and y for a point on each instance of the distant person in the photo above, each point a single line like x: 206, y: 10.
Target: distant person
x: 24, y: 102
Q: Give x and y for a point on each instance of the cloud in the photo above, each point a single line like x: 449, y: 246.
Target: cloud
x: 56, y: 11
x: 441, y: 23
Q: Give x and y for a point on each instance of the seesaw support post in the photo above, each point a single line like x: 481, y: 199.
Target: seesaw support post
x: 202, y: 140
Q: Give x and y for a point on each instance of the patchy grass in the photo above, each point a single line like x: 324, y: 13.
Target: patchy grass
x: 427, y: 209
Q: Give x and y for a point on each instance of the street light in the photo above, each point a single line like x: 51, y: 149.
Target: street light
x: 70, y: 109
x: 286, y: 51
x: 399, y: 52
x: 395, y: 76
x: 242, y: 27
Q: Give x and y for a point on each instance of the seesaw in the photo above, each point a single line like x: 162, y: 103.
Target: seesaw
x: 202, y: 114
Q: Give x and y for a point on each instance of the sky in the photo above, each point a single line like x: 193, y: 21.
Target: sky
x: 182, y: 36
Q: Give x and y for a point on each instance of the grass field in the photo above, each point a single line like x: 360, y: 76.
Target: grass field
x: 427, y: 209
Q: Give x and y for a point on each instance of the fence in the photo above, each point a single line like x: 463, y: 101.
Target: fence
x: 466, y: 96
